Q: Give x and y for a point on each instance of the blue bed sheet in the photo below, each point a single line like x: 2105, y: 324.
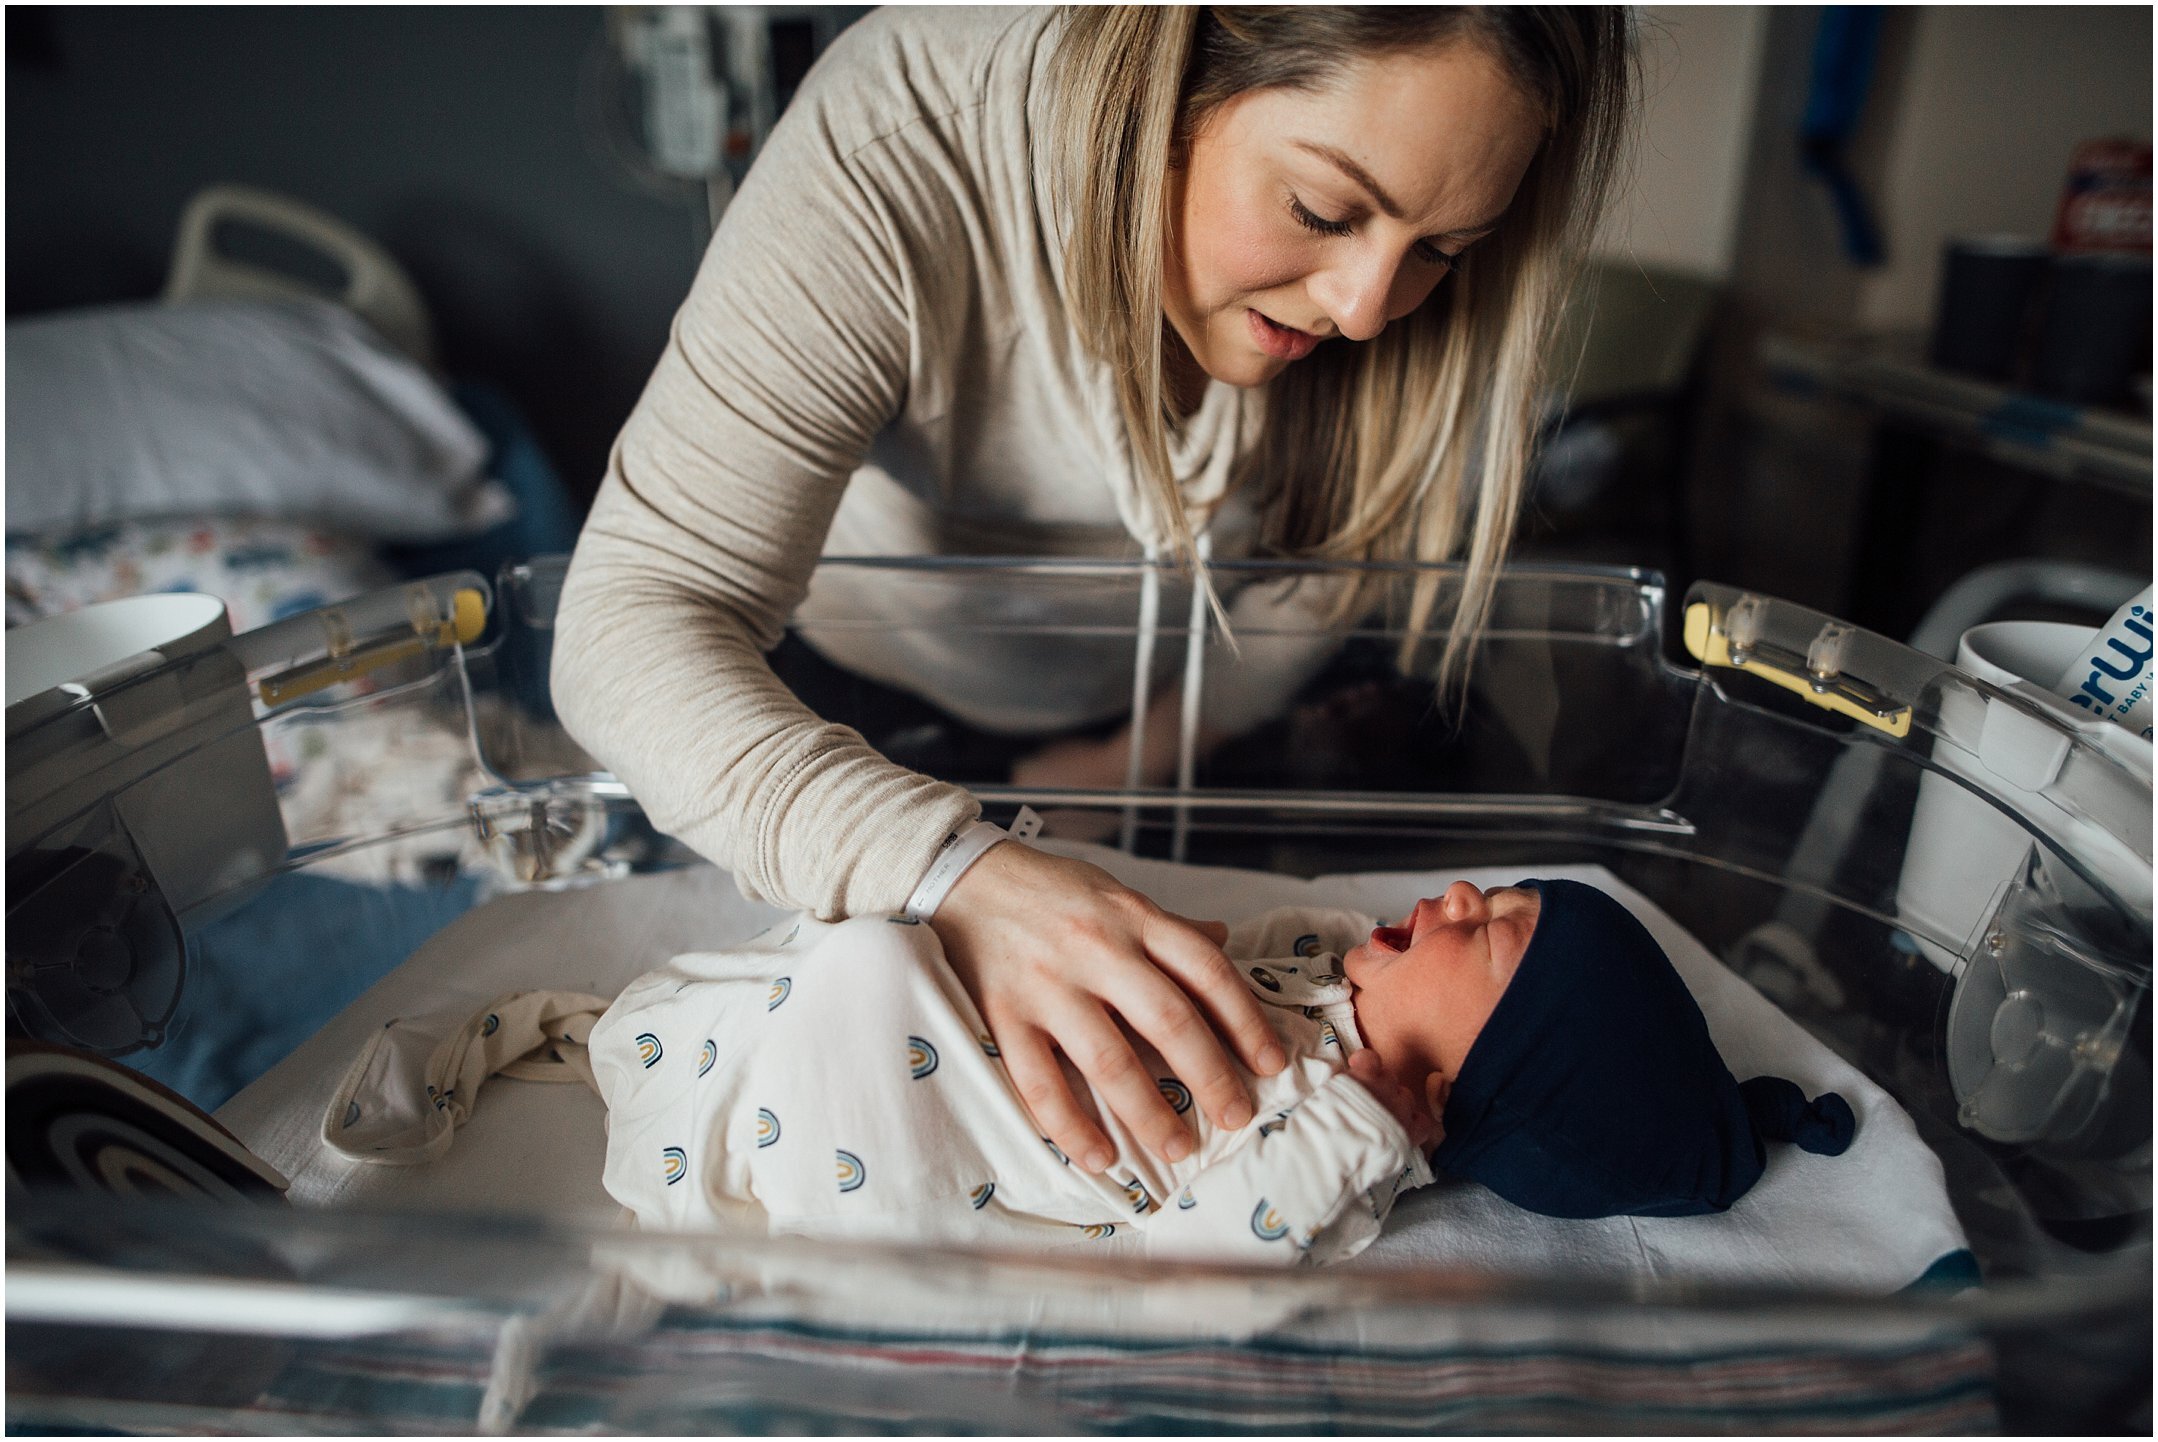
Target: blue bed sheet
x: 547, y: 519
x: 267, y: 977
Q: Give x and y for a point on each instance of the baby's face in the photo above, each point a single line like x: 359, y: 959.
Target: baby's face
x: 1425, y: 988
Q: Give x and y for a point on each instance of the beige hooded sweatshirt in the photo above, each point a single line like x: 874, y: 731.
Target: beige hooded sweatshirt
x: 875, y: 359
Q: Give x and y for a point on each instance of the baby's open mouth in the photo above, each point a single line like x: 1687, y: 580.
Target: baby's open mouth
x: 1392, y: 939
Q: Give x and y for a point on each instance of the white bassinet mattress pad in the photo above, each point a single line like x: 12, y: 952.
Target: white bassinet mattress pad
x: 1874, y: 1219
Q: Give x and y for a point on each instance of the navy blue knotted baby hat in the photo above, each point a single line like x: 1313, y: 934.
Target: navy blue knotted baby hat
x: 1595, y: 1090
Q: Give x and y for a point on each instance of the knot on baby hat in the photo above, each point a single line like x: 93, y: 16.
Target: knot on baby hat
x: 1595, y: 1089
x: 1781, y: 1113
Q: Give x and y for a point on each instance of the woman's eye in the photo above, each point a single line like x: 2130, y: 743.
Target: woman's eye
x: 1426, y: 252
x: 1313, y: 222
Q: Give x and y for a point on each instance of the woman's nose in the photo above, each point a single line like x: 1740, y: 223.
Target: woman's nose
x: 1362, y: 292
x: 1353, y: 295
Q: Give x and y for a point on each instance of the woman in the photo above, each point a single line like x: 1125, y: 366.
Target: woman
x: 1028, y: 282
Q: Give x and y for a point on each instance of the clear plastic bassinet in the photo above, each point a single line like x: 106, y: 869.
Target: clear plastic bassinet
x: 1946, y: 883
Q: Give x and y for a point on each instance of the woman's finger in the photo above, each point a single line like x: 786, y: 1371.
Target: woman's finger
x: 1031, y: 1063
x: 1214, y: 931
x: 1058, y: 945
x: 1214, y: 982
x: 1156, y: 1005
x: 1437, y: 1090
x: 1098, y: 1047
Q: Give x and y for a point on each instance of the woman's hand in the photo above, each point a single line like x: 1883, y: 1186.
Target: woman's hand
x: 1055, y: 952
x: 1419, y: 1120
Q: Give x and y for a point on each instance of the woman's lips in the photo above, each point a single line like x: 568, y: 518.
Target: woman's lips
x: 1279, y: 341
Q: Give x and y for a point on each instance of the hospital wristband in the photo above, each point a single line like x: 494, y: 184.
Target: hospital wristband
x: 961, y: 849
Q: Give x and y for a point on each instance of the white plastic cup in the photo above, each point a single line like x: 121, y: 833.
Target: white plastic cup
x: 1963, y: 852
x: 77, y: 645
x: 2012, y: 1029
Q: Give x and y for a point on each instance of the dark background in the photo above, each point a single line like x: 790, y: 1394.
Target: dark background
x: 464, y: 140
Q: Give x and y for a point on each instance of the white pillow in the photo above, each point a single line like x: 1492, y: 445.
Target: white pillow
x: 287, y: 409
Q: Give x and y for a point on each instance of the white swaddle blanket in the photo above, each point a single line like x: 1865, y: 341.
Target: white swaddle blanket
x: 1873, y: 1219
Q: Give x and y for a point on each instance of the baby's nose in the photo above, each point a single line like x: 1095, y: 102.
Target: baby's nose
x: 1462, y: 901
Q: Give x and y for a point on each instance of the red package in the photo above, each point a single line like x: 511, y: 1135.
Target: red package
x: 2106, y: 205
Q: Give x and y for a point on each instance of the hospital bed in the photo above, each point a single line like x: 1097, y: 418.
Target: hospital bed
x: 385, y: 458
x: 274, y: 431
x: 1970, y: 962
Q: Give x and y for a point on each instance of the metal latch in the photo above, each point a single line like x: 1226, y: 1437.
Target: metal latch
x: 1734, y: 640
x: 536, y: 839
x: 344, y: 661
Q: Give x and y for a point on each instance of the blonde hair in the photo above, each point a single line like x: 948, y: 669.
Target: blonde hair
x: 1368, y: 449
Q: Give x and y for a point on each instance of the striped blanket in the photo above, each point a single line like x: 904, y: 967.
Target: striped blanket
x: 704, y: 1374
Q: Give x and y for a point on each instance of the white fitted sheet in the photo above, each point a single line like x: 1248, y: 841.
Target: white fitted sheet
x: 1873, y: 1219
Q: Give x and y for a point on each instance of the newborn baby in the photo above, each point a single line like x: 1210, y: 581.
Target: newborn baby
x: 836, y: 1080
